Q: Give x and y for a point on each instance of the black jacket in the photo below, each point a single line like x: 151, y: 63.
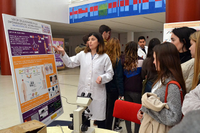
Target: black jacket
x: 116, y: 84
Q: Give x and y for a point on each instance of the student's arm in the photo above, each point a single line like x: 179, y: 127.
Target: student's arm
x: 171, y: 116
x: 119, y: 78
x: 108, y: 75
x: 69, y: 61
x: 191, y: 101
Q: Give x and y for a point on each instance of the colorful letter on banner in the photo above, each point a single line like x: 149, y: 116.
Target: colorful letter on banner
x: 33, y: 67
x: 103, y: 8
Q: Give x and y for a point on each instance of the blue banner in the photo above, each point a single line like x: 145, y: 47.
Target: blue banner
x: 115, y: 8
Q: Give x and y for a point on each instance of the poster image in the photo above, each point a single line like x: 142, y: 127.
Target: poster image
x: 31, y: 82
x: 34, y: 70
x: 25, y: 43
x: 59, y: 42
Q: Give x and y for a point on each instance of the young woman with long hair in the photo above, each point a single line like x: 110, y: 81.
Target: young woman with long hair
x: 132, y: 65
x: 180, y: 38
x: 194, y: 50
x: 167, y: 63
x: 148, y: 68
x: 115, y: 87
x: 95, y: 71
x: 191, y: 101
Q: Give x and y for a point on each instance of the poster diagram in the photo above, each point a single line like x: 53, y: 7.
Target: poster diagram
x: 31, y: 81
x: 25, y: 43
x: 33, y: 67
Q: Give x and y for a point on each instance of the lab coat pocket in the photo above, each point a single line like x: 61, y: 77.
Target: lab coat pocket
x: 99, y: 92
x: 100, y: 69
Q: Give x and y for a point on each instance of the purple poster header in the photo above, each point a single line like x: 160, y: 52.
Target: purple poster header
x: 25, y: 43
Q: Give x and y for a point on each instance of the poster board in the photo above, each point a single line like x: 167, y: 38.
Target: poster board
x: 33, y: 68
x: 168, y: 27
x: 59, y: 42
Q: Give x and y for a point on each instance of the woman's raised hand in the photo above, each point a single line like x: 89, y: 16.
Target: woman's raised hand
x: 59, y: 49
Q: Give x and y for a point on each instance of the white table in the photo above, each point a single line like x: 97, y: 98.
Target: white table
x: 57, y: 129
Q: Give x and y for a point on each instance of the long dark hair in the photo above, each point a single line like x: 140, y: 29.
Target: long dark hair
x: 183, y: 33
x: 131, y: 57
x: 101, y: 47
x: 167, y: 56
x: 152, y: 43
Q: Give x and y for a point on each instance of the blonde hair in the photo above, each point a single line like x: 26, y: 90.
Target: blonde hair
x: 113, y: 50
x: 196, y: 38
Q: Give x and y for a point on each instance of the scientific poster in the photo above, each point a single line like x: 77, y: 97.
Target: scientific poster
x: 168, y: 27
x: 59, y: 62
x: 33, y: 68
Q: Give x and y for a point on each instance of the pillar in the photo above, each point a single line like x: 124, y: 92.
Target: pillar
x: 6, y: 7
x: 182, y: 10
x: 130, y: 36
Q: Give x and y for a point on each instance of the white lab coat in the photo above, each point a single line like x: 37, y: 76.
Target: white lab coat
x: 89, y: 71
x: 141, y: 53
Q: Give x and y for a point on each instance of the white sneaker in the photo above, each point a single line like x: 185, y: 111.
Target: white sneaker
x: 118, y: 129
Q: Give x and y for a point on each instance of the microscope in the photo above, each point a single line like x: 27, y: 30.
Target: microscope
x: 78, y: 117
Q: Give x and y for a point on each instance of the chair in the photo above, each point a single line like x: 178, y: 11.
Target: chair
x: 126, y: 110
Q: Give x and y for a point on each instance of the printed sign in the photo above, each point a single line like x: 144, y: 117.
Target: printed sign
x: 33, y: 67
x: 168, y: 27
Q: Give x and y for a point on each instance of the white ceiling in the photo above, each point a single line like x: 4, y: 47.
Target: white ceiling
x: 139, y: 23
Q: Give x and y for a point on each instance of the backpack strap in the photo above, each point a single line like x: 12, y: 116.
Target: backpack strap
x: 176, y: 83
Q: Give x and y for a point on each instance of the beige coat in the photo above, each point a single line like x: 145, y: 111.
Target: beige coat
x: 149, y: 125
x: 188, y: 73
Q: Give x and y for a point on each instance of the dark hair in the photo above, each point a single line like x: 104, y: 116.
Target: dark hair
x: 131, y: 57
x: 183, y: 33
x: 153, y: 42
x: 101, y: 47
x: 149, y: 60
x: 103, y: 28
x: 141, y: 37
x: 170, y: 66
x: 85, y: 38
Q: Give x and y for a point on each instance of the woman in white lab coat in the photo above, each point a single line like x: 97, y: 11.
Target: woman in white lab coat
x: 95, y: 71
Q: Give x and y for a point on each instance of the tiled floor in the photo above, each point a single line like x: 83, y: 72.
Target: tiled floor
x: 68, y: 80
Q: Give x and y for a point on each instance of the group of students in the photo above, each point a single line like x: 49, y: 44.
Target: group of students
x: 109, y: 76
x: 166, y: 100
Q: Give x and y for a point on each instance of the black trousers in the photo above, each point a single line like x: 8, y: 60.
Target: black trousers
x: 136, y: 98
x: 111, y: 98
x: 100, y: 124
